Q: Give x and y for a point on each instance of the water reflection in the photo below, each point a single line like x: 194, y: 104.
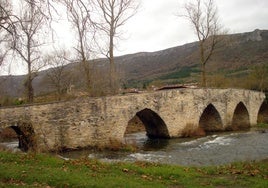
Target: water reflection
x: 142, y: 142
x: 155, y: 144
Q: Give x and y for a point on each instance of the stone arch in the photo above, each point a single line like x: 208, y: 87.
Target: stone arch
x: 210, y: 119
x: 26, y: 135
x: 263, y: 113
x: 154, y: 125
x: 240, y: 119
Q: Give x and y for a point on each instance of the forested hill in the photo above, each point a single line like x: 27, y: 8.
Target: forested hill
x: 238, y: 54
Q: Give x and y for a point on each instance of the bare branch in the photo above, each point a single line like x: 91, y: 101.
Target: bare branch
x: 79, y: 15
x: 112, y: 15
x: 57, y: 62
x: 29, y: 23
x: 203, y: 17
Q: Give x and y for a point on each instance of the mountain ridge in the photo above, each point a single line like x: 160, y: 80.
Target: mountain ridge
x: 180, y: 63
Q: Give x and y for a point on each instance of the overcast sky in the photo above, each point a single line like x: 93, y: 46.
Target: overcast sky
x: 156, y: 26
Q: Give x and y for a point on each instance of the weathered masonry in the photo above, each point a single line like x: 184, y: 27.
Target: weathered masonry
x: 98, y: 121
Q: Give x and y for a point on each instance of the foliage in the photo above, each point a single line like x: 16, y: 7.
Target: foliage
x: 18, y: 101
x: 39, y: 170
x: 181, y: 73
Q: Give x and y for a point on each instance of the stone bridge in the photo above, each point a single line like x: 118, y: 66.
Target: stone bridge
x: 89, y: 122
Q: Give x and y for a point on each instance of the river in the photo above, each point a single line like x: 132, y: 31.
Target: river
x: 214, y: 149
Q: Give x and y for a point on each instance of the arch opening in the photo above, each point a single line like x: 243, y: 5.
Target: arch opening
x: 240, y: 119
x: 154, y: 125
x: 135, y: 125
x: 149, y: 121
x: 23, y: 133
x: 263, y: 113
x: 210, y: 120
x: 9, y: 139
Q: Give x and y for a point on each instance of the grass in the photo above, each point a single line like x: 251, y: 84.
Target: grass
x: 42, y: 170
x: 262, y: 125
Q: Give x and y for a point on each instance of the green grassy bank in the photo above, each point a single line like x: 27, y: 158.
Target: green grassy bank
x: 41, y: 170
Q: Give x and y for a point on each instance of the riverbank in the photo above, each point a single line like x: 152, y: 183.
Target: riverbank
x: 42, y: 170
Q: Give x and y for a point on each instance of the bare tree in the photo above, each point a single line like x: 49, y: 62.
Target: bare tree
x: 56, y: 75
x: 78, y: 12
x: 7, y: 29
x: 6, y: 17
x: 203, y: 16
x: 114, y: 14
x: 29, y: 25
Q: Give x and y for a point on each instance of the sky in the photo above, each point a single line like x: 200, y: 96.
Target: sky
x: 157, y: 26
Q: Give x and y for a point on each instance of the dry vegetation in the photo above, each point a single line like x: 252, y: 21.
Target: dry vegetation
x: 190, y: 131
x: 7, y: 134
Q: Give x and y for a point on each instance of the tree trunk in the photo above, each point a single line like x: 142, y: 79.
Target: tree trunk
x: 30, y: 90
x: 203, y: 65
x: 87, y: 74
x: 204, y: 76
x: 112, y: 63
x: 29, y: 86
x: 59, y: 92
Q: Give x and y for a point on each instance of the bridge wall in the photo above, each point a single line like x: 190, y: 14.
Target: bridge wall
x: 99, y: 121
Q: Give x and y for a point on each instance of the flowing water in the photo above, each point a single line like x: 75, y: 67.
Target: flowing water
x: 214, y: 149
x: 11, y: 145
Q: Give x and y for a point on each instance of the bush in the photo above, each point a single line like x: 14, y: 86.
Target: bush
x: 18, y: 101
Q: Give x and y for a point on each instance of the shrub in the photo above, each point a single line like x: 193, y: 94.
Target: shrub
x: 190, y: 130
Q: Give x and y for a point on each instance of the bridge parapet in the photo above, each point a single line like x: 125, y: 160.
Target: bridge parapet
x: 98, y: 121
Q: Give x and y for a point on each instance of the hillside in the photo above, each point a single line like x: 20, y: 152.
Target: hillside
x: 237, y: 54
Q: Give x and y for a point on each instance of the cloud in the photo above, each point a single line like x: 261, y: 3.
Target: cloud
x: 243, y: 15
x: 156, y: 25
